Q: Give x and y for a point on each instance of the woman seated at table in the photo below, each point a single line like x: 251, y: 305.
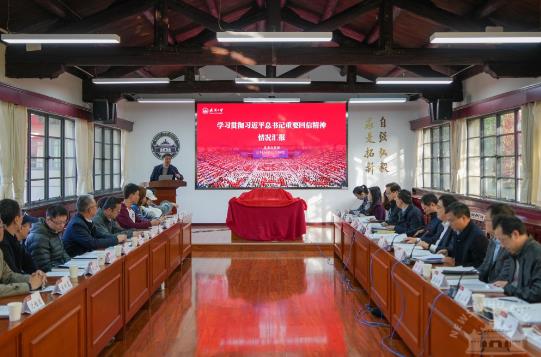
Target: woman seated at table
x: 361, y: 193
x: 376, y: 206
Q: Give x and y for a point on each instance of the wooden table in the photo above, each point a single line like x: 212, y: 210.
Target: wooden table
x: 428, y: 321
x: 83, y: 321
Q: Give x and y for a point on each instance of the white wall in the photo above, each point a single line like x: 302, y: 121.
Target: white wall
x: 66, y: 87
x: 210, y: 206
x: 483, y: 86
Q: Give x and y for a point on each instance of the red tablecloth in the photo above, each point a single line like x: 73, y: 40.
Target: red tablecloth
x: 267, y: 214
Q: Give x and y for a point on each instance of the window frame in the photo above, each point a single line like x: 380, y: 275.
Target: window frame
x: 46, y: 159
x: 103, y: 159
x: 516, y: 157
x: 440, y: 158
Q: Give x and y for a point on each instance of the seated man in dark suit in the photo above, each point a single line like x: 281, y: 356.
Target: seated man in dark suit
x: 498, y: 263
x: 410, y: 217
x: 429, y: 233
x: 81, y: 235
x: 469, y: 243
x: 391, y: 192
x: 166, y: 169
x: 15, y: 256
x: 444, y: 233
x: 526, y: 252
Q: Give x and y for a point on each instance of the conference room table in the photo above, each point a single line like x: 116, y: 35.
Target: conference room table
x: 83, y: 320
x: 428, y: 321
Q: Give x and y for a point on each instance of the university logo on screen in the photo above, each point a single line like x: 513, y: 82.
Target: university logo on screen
x: 165, y: 142
x: 212, y: 110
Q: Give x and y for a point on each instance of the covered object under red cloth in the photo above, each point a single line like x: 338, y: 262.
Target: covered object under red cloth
x: 267, y: 214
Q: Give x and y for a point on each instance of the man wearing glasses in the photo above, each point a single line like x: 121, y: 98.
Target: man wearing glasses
x: 44, y: 242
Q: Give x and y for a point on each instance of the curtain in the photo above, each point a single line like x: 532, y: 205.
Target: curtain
x: 7, y: 117
x: 459, y: 156
x: 84, y: 150
x: 123, y: 152
x: 19, y: 151
x: 531, y: 154
x: 13, y: 149
x: 418, y: 179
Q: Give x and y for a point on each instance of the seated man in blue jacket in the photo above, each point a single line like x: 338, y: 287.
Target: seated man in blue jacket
x: 410, y: 218
x: 431, y: 232
x: 165, y: 169
x: 81, y: 235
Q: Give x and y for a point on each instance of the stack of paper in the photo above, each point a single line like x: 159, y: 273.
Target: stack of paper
x: 80, y: 263
x: 502, y: 303
x: 465, y: 272
x: 63, y: 272
x: 526, y: 314
x: 476, y: 286
x: 432, y: 258
x: 88, y: 255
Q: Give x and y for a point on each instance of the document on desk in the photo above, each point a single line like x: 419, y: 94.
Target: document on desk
x: 88, y: 255
x: 476, y: 285
x: 526, y: 313
x: 59, y: 273
x: 80, y: 263
x: 503, y: 303
x: 432, y: 258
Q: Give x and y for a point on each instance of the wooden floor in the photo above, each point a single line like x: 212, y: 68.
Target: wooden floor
x: 255, y: 304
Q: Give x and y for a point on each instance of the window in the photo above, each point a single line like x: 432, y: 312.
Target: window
x: 106, y: 159
x: 494, y: 156
x: 51, y: 172
x: 437, y: 158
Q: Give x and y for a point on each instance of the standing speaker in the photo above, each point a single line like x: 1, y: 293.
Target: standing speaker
x: 103, y: 111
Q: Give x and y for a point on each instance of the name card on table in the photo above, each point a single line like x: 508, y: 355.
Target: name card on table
x: 62, y: 286
x: 508, y: 325
x: 439, y: 280
x: 109, y: 257
x: 383, y: 244
x: 33, y: 303
x: 463, y: 296
x: 92, y: 268
x: 399, y: 253
x: 418, y: 267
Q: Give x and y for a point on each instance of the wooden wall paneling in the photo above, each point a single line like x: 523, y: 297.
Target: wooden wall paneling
x: 59, y: 329
x: 362, y: 260
x: 104, y: 306
x: 380, y: 287
x: 348, y: 252
x: 136, y: 280
x: 10, y: 342
x: 175, y: 247
x: 407, y: 306
x: 338, y: 238
x: 186, y: 240
x: 159, y: 265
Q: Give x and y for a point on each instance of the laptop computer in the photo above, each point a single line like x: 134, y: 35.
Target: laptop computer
x: 165, y: 177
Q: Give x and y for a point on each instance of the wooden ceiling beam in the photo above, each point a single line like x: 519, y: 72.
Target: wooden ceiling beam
x: 297, y: 71
x: 386, y: 22
x: 427, y: 10
x: 274, y: 17
x: 114, y: 13
x: 137, y: 56
x: 489, y: 7
x: 347, y: 16
x: 90, y: 91
x: 245, y: 71
x: 59, y: 9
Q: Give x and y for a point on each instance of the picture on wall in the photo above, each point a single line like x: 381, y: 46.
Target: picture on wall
x: 288, y: 145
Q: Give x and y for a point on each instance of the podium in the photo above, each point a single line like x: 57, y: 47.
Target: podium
x: 166, y: 189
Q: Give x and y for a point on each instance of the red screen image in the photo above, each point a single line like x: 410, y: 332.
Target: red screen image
x: 292, y: 145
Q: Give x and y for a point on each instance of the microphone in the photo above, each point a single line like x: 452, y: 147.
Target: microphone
x: 392, y: 242
x: 453, y: 291
x: 407, y: 261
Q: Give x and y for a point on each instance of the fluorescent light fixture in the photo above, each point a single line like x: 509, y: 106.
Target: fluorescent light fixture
x: 59, y: 38
x: 166, y: 100
x: 414, y: 80
x: 486, y: 37
x: 233, y: 36
x: 130, y: 80
x: 245, y: 80
x: 271, y: 100
x: 378, y: 100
